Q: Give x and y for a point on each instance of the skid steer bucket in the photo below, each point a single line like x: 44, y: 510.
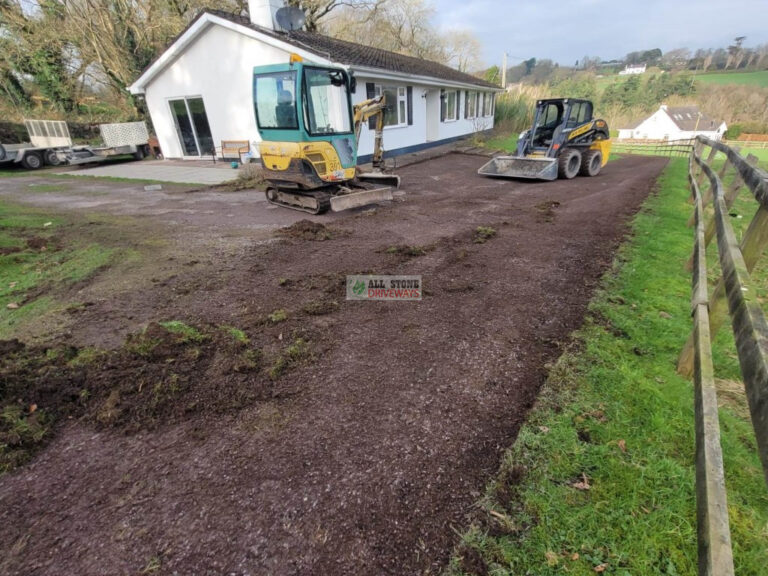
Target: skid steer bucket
x: 356, y: 199
x: 518, y: 167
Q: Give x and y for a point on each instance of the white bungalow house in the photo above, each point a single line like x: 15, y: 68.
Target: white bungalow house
x: 674, y: 123
x: 199, y: 91
x: 633, y: 69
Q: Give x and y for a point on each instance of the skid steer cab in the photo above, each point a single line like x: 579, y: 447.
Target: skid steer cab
x: 309, y: 138
x: 564, y: 141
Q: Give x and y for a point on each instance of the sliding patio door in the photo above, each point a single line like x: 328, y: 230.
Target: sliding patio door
x: 192, y: 126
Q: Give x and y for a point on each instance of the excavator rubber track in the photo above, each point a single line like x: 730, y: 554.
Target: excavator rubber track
x: 311, y: 202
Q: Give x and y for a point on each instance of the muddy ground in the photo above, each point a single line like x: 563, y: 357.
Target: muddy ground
x: 340, y: 437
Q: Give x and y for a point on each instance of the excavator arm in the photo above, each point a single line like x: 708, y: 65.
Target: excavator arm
x: 364, y: 111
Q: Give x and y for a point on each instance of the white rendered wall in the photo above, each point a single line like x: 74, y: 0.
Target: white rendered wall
x: 219, y: 67
x: 396, y: 137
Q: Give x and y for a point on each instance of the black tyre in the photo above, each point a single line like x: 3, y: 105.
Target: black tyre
x: 51, y: 158
x: 2, y: 153
x: 591, y: 163
x: 32, y: 161
x: 569, y: 163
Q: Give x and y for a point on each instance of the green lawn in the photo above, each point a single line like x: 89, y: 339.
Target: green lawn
x: 761, y: 153
x: 747, y: 78
x: 505, y: 142
x: 34, y: 260
x: 601, y: 478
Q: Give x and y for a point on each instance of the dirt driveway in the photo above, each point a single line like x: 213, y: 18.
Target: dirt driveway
x: 370, y: 444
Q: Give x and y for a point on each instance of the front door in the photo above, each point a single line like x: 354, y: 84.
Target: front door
x: 433, y: 115
x: 192, y: 126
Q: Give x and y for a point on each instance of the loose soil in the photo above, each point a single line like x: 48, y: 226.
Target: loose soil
x: 327, y: 437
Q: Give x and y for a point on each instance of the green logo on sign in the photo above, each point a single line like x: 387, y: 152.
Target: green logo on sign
x: 359, y: 287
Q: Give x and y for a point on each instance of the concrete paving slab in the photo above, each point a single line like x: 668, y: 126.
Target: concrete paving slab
x: 183, y: 174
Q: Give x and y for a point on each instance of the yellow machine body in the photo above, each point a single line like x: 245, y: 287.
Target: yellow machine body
x: 277, y: 157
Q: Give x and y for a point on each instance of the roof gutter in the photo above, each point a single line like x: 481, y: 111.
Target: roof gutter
x: 371, y: 72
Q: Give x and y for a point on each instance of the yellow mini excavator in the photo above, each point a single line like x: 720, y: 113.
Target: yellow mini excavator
x: 310, y: 133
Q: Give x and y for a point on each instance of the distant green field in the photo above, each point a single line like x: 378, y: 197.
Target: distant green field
x: 760, y: 153
x: 746, y: 78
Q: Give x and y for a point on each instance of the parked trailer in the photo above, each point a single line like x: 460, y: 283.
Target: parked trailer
x: 119, y: 139
x: 48, y: 139
x: 51, y: 144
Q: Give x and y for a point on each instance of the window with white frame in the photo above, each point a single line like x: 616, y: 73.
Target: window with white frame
x: 396, y: 98
x: 487, y: 104
x: 471, y: 105
x: 450, y: 105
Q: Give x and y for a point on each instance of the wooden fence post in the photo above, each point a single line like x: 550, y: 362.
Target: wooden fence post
x: 753, y: 244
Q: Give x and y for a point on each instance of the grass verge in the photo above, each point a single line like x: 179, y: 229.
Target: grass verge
x: 601, y: 478
x: 35, y: 259
x: 502, y: 141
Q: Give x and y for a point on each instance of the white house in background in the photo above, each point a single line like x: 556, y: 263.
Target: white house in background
x: 674, y: 123
x: 633, y: 69
x: 199, y: 91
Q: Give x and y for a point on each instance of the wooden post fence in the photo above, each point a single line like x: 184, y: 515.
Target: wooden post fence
x: 732, y: 296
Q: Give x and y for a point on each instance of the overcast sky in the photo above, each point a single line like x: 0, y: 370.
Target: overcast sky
x: 567, y: 30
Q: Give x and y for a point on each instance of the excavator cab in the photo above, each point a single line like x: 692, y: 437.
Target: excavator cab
x: 304, y: 116
x: 309, y: 134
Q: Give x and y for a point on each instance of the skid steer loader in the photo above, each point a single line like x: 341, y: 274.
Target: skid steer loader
x: 564, y: 141
x: 310, y: 132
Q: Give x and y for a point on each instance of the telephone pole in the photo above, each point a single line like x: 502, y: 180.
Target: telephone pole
x: 504, y: 72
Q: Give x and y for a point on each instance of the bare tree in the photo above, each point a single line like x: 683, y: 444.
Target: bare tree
x: 316, y: 10
x: 405, y: 26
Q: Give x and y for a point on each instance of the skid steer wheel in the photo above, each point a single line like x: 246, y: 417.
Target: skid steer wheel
x: 569, y: 163
x: 591, y: 162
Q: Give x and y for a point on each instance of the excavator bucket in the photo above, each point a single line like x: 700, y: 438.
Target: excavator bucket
x: 357, y: 199
x: 519, y: 167
x: 381, y: 178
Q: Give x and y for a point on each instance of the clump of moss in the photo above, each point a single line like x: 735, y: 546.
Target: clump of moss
x: 293, y: 354
x: 483, y: 234
x: 278, y: 316
x: 321, y: 307
x: 185, y: 331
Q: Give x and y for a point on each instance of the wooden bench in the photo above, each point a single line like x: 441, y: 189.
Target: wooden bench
x: 234, y: 149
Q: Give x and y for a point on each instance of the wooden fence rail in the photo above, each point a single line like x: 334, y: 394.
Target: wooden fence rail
x: 732, y: 296
x: 672, y: 148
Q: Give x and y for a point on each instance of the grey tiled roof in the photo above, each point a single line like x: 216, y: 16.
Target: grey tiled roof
x: 353, y: 54
x: 687, y: 118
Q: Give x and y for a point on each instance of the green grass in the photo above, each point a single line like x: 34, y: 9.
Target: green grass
x: 295, y: 353
x: 278, y: 316
x: 186, y: 332
x: 75, y: 175
x: 761, y: 153
x: 614, y: 412
x: 28, y: 274
x: 505, y: 142
x: 745, y: 78
x: 236, y: 334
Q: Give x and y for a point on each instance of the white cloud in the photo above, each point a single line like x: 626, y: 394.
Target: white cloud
x: 567, y: 31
